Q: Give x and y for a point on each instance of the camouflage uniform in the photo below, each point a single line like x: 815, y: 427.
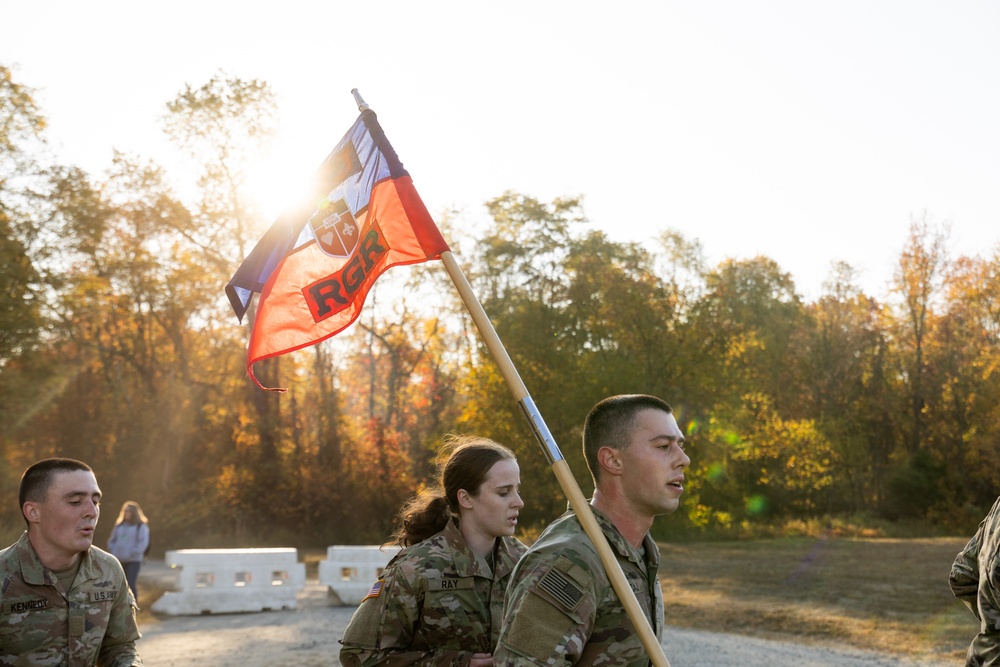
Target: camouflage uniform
x: 437, y: 603
x: 39, y: 625
x: 561, y: 609
x: 975, y: 579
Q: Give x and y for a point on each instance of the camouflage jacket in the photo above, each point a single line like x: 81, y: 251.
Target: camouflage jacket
x: 975, y: 579
x: 93, y: 625
x: 437, y: 603
x: 561, y: 609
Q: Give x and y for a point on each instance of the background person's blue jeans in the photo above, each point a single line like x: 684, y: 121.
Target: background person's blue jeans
x: 132, y: 575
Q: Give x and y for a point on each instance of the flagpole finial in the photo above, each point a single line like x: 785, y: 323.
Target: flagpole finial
x: 362, y: 105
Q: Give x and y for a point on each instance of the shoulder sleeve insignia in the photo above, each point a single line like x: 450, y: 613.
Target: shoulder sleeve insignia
x: 562, y: 589
x: 375, y: 590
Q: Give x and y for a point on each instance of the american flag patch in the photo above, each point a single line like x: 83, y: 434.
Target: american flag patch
x: 375, y: 590
x: 564, y: 591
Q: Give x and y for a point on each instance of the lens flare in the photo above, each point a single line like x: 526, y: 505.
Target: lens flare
x: 756, y: 505
x: 715, y: 472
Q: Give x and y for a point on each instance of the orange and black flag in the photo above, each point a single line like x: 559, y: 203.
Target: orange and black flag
x: 316, y: 264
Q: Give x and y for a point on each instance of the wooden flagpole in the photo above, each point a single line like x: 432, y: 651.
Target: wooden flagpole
x: 559, y: 466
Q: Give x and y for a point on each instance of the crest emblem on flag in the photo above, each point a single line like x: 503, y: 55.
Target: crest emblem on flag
x: 335, y: 228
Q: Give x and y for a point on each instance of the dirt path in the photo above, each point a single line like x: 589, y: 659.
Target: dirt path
x: 308, y: 636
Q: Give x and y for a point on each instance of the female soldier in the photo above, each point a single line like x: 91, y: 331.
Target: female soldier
x: 440, y: 599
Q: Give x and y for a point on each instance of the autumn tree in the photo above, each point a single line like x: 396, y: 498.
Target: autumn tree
x: 918, y: 279
x: 750, y: 320
x: 966, y: 431
x: 849, y: 379
x: 224, y: 125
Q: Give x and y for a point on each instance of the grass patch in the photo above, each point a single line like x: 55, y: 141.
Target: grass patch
x: 888, y: 595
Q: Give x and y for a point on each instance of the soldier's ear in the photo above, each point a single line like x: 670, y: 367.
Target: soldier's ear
x: 31, y: 511
x: 610, y: 460
x: 464, y: 499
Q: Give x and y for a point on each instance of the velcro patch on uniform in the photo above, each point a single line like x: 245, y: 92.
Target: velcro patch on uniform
x: 375, y: 590
x: 562, y: 589
x: 77, y: 625
x: 450, y: 584
x: 102, y: 596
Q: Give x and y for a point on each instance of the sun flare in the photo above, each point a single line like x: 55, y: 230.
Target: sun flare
x: 278, y: 182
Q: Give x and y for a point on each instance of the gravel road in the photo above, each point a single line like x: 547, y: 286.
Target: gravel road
x: 308, y: 636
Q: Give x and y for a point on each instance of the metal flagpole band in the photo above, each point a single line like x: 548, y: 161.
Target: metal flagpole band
x: 362, y: 105
x: 541, y: 431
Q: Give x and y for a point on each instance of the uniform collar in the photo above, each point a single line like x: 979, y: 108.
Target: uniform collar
x: 36, y: 574
x: 467, y: 564
x: 621, y: 545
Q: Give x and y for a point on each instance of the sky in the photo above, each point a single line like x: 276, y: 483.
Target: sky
x: 806, y: 131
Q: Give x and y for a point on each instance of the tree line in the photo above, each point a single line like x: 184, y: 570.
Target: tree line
x: 118, y: 347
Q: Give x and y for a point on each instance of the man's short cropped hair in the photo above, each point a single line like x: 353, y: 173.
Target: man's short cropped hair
x: 37, y: 479
x: 610, y: 424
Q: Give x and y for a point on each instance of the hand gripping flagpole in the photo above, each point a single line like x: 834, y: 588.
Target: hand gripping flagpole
x: 559, y: 466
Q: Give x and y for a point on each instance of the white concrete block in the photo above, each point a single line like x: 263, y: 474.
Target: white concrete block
x: 350, y: 571
x: 219, y: 581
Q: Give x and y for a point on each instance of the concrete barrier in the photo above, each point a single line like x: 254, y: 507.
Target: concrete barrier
x: 350, y: 571
x: 220, y: 581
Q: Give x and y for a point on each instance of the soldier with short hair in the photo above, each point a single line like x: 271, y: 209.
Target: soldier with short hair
x: 561, y: 608
x: 439, y: 600
x: 63, y: 601
x: 975, y: 580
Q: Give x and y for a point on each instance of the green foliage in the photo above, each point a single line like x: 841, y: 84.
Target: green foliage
x: 754, y: 466
x: 908, y: 496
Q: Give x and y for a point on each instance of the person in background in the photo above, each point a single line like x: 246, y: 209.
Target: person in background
x: 129, y: 541
x: 560, y: 608
x: 440, y: 598
x: 64, y: 601
x: 975, y: 580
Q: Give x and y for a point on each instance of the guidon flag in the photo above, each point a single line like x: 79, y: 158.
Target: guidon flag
x: 316, y: 264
